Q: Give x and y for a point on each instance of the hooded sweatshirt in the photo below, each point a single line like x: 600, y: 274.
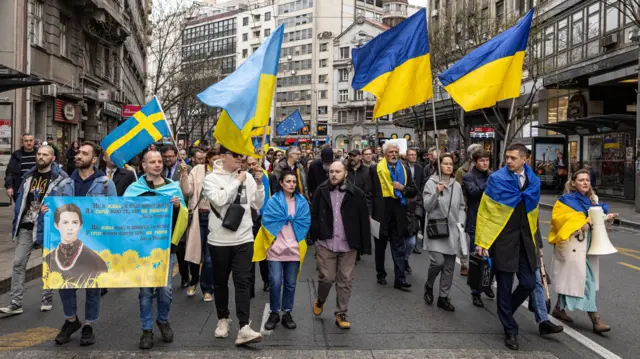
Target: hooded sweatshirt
x: 221, y: 189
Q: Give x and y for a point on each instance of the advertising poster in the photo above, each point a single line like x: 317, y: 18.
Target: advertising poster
x: 5, y: 144
x: 550, y: 165
x: 106, y: 242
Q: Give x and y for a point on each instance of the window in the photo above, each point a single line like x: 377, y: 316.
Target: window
x: 245, y: 53
x: 577, y: 29
x: 500, y: 13
x: 38, y: 30
x: 245, y: 21
x: 323, y: 63
x: 63, y: 35
x: 322, y: 110
x: 343, y: 75
x: 267, y: 32
x: 324, y: 47
x: 343, y: 95
x: 342, y: 117
x: 612, y: 19
x: 563, y: 33
x: 267, y: 16
x: 359, y: 95
x: 322, y: 94
x: 322, y: 79
x: 593, y: 24
x: 256, y: 34
x: 344, y: 52
x: 253, y: 49
x: 256, y: 18
x: 245, y: 37
x: 548, y: 41
x: 360, y: 12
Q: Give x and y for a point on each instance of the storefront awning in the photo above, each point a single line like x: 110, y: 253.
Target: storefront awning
x: 592, y: 125
x: 11, y: 79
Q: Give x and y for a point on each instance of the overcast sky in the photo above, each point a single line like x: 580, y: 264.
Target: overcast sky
x: 422, y: 3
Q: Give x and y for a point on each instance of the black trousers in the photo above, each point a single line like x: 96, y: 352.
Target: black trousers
x: 509, y: 300
x: 264, y: 273
x: 397, y: 245
x: 189, y: 272
x: 236, y: 260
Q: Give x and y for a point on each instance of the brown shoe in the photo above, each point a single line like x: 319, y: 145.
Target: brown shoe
x: 342, y: 321
x: 318, y: 307
x: 464, y: 271
x: 562, y: 315
x: 598, y: 325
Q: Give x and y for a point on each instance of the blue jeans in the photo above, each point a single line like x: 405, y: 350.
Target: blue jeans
x: 411, y: 243
x: 164, y: 301
x: 538, y: 300
x: 206, y: 273
x: 282, y: 275
x: 91, y: 304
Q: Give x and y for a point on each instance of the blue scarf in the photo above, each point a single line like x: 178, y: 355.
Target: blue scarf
x: 276, y: 215
x: 581, y: 203
x: 397, y: 175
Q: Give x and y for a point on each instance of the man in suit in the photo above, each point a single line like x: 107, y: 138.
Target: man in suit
x: 417, y: 172
x: 121, y: 177
x: 171, y: 168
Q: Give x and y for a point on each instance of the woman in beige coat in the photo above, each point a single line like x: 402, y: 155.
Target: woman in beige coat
x: 198, y: 230
x: 575, y: 273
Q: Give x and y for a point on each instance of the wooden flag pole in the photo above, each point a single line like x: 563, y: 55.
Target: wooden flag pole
x: 437, y: 135
x: 173, y: 139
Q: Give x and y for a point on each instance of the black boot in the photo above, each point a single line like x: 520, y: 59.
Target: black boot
x: 477, y: 300
x: 547, y: 327
x: 407, y: 268
x: 445, y: 303
x: 287, y: 321
x: 146, y: 340
x: 511, y: 341
x: 428, y: 295
x: 274, y: 318
x: 416, y: 250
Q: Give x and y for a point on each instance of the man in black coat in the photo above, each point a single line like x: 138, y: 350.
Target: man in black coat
x: 340, y: 227
x: 121, y: 177
x: 21, y: 161
x: 419, y: 179
x: 319, y: 170
x: 359, y: 175
x: 390, y: 210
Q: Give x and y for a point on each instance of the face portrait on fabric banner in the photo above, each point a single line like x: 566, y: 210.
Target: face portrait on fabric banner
x: 106, y: 242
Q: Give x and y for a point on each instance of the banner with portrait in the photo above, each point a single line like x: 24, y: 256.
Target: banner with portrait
x: 106, y: 242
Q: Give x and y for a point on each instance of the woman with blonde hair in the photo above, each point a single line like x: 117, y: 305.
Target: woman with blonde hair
x: 575, y: 272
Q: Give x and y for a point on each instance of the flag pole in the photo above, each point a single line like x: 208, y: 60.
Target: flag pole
x: 435, y: 130
x: 173, y: 139
x: 506, y: 133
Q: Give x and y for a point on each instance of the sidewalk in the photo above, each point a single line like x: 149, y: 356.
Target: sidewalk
x: 7, y: 249
x: 628, y: 216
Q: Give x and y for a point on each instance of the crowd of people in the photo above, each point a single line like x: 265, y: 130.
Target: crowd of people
x: 272, y: 209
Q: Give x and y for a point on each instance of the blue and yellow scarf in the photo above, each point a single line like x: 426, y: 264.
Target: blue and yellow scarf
x: 500, y: 198
x: 267, y: 188
x: 570, y: 213
x: 387, y: 177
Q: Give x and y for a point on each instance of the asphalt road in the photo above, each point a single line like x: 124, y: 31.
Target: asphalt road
x: 385, y: 322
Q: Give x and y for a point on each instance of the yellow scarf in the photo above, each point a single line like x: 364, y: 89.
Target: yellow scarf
x: 385, y: 178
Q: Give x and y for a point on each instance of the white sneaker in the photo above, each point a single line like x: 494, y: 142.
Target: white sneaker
x: 11, y: 309
x: 246, y: 335
x: 222, y: 329
x: 46, y: 307
x: 191, y: 291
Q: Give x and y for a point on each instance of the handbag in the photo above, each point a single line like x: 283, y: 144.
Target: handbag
x: 439, y: 228
x: 233, y: 217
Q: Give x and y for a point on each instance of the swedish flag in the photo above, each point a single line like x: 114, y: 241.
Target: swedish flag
x: 142, y: 129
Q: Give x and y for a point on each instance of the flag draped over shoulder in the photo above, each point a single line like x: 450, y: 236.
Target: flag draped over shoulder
x: 245, y: 96
x: 492, y: 72
x: 500, y: 198
x: 395, y: 66
x: 142, y: 129
x: 171, y: 189
x: 570, y: 213
x: 383, y: 169
x: 275, y: 215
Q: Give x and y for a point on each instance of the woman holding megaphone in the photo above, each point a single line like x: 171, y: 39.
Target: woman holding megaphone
x: 578, y: 236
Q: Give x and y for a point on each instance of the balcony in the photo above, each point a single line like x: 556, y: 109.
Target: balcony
x: 103, y: 20
x: 395, y: 13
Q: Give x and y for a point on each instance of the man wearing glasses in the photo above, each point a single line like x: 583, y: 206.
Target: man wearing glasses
x: 292, y: 163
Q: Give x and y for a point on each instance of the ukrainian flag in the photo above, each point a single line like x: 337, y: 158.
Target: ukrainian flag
x: 395, y: 66
x: 570, y: 213
x: 500, y: 198
x: 492, y: 72
x: 142, y: 129
x: 245, y: 96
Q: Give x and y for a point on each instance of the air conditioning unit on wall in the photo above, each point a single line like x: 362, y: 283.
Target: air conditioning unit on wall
x: 50, y: 90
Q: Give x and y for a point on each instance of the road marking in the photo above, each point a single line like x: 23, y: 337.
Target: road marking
x: 590, y: 344
x: 31, y: 337
x: 629, y: 265
x: 265, y: 316
x: 624, y: 253
x: 628, y: 250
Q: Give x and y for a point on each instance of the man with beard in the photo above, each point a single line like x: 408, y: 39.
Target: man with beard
x: 197, y: 157
x: 37, y: 185
x: 319, y: 170
x: 85, y: 181
x: 172, y: 170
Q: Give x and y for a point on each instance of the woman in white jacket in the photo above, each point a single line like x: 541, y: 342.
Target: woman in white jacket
x: 442, y: 198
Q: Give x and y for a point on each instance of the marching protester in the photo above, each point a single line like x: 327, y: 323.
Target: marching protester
x: 70, y: 155
x: 37, y: 185
x: 198, y: 157
x: 429, y: 162
x: 281, y: 241
x: 339, y: 228
x: 319, y: 170
x: 575, y: 272
x: 195, y: 246
x: 292, y: 164
x: 417, y: 172
x: 184, y: 156
x: 121, y: 177
x: 231, y: 193
x: 512, y: 192
x: 444, y: 208
x: 21, y: 161
x: 473, y: 185
x: 359, y: 176
x: 85, y: 181
x: 392, y: 186
x: 154, y: 184
x: 367, y: 158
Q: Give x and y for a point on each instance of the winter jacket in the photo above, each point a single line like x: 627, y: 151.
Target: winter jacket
x: 57, y: 175
x: 361, y: 178
x: 13, y: 175
x: 473, y: 184
x: 384, y: 208
x: 317, y: 174
x: 221, y: 189
x: 302, y: 187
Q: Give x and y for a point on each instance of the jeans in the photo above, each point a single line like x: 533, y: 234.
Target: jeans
x: 237, y: 260
x: 508, y: 301
x: 282, y: 275
x: 164, y: 301
x: 398, y: 250
x: 24, y: 247
x: 538, y: 300
x: 411, y: 243
x: 206, y: 275
x: 91, y: 304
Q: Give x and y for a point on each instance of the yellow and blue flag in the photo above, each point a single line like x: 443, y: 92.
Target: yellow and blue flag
x: 492, y: 72
x: 246, y: 96
x: 570, y: 213
x: 500, y: 198
x: 395, y: 66
x: 142, y: 129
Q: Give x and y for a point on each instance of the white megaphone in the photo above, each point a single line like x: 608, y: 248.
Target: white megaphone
x: 600, y: 243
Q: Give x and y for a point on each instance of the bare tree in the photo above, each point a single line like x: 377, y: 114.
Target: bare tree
x: 630, y: 8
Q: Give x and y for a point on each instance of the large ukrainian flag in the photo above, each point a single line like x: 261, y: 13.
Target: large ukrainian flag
x: 500, y: 198
x: 395, y: 66
x: 570, y: 213
x: 492, y: 72
x: 142, y: 129
x: 245, y: 96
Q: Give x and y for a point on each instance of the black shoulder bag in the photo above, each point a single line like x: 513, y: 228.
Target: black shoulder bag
x: 233, y: 216
x: 439, y: 228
